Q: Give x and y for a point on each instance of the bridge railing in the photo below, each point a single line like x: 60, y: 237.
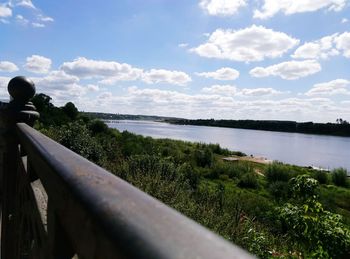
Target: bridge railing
x: 57, y: 204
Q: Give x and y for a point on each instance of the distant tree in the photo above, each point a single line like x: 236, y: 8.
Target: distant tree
x: 42, y: 102
x: 70, y: 110
x: 339, y: 177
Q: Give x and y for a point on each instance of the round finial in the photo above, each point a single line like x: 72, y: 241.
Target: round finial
x: 21, y: 89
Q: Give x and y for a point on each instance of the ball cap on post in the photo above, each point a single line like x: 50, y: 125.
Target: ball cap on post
x: 21, y: 89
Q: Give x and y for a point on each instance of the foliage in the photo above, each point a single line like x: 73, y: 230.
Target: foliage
x: 248, y: 181
x: 230, y: 198
x: 317, y: 232
x: 321, y: 177
x: 339, y: 177
x: 277, y: 172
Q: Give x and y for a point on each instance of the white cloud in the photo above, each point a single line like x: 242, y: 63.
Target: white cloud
x: 250, y: 44
x: 38, y: 64
x: 166, y: 76
x: 344, y: 20
x: 343, y: 43
x: 334, y: 87
x: 3, y: 87
x: 224, y: 73
x: 21, y: 20
x: 24, y: 3
x: 7, y: 66
x: 5, y: 11
x: 60, y: 86
x: 216, y: 105
x: 288, y: 7
x: 322, y: 48
x: 325, y: 47
x: 183, y: 45
x: 44, y: 18
x: 289, y: 70
x: 38, y: 25
x: 93, y: 88
x: 228, y: 90
x: 109, y: 71
x: 222, y: 7
x: 258, y: 92
x: 231, y: 90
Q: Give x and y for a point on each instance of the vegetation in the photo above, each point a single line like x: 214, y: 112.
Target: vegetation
x: 340, y: 128
x: 272, y: 210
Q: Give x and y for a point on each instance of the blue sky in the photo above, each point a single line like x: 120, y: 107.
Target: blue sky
x: 231, y: 59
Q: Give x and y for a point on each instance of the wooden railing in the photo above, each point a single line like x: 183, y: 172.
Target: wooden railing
x: 56, y: 204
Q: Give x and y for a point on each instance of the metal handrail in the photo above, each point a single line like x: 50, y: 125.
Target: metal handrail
x: 134, y: 223
x: 92, y: 213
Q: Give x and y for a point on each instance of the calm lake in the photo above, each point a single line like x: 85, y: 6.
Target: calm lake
x: 294, y: 148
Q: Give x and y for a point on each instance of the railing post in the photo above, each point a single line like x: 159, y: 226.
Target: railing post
x: 17, y: 110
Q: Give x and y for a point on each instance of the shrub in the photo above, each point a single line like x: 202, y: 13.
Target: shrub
x: 248, y: 181
x: 319, y: 233
x: 321, y: 177
x: 277, y: 172
x: 280, y: 190
x: 339, y: 177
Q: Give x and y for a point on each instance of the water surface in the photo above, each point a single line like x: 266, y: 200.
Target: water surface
x: 294, y: 148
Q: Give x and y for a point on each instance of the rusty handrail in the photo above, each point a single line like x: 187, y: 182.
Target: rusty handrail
x: 94, y: 214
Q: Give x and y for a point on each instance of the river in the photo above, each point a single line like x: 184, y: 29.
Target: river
x: 326, y: 152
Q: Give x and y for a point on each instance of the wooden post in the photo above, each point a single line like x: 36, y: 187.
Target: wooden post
x: 17, y: 110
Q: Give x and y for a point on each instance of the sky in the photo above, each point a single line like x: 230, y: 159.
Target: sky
x: 221, y: 59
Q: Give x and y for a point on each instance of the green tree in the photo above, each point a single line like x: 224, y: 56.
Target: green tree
x: 70, y: 110
x: 339, y: 177
x: 318, y: 233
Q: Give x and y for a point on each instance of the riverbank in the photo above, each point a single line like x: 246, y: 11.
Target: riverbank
x: 321, y: 151
x: 332, y: 129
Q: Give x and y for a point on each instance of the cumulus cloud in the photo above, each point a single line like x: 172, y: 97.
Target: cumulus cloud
x: 164, y: 102
x: 44, y: 18
x: 289, y: 70
x: 344, y: 20
x: 5, y: 11
x: 254, y: 43
x: 224, y: 73
x: 23, y: 3
x: 183, y: 45
x: 322, y: 48
x: 3, y: 87
x: 21, y: 20
x: 38, y: 64
x: 229, y: 90
x: 325, y: 47
x: 334, y: 87
x: 288, y: 7
x: 166, y: 76
x: 38, y: 25
x: 222, y: 7
x: 343, y: 43
x: 258, y: 92
x: 110, y: 70
x: 60, y: 86
x: 7, y: 66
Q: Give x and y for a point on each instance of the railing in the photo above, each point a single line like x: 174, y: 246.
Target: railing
x: 56, y: 204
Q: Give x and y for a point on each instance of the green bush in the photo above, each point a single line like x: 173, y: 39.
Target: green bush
x: 280, y: 190
x: 277, y: 172
x: 319, y: 233
x: 339, y: 177
x: 248, y: 180
x: 321, y: 177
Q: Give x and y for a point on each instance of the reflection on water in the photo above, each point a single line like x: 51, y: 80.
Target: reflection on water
x: 294, y: 148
